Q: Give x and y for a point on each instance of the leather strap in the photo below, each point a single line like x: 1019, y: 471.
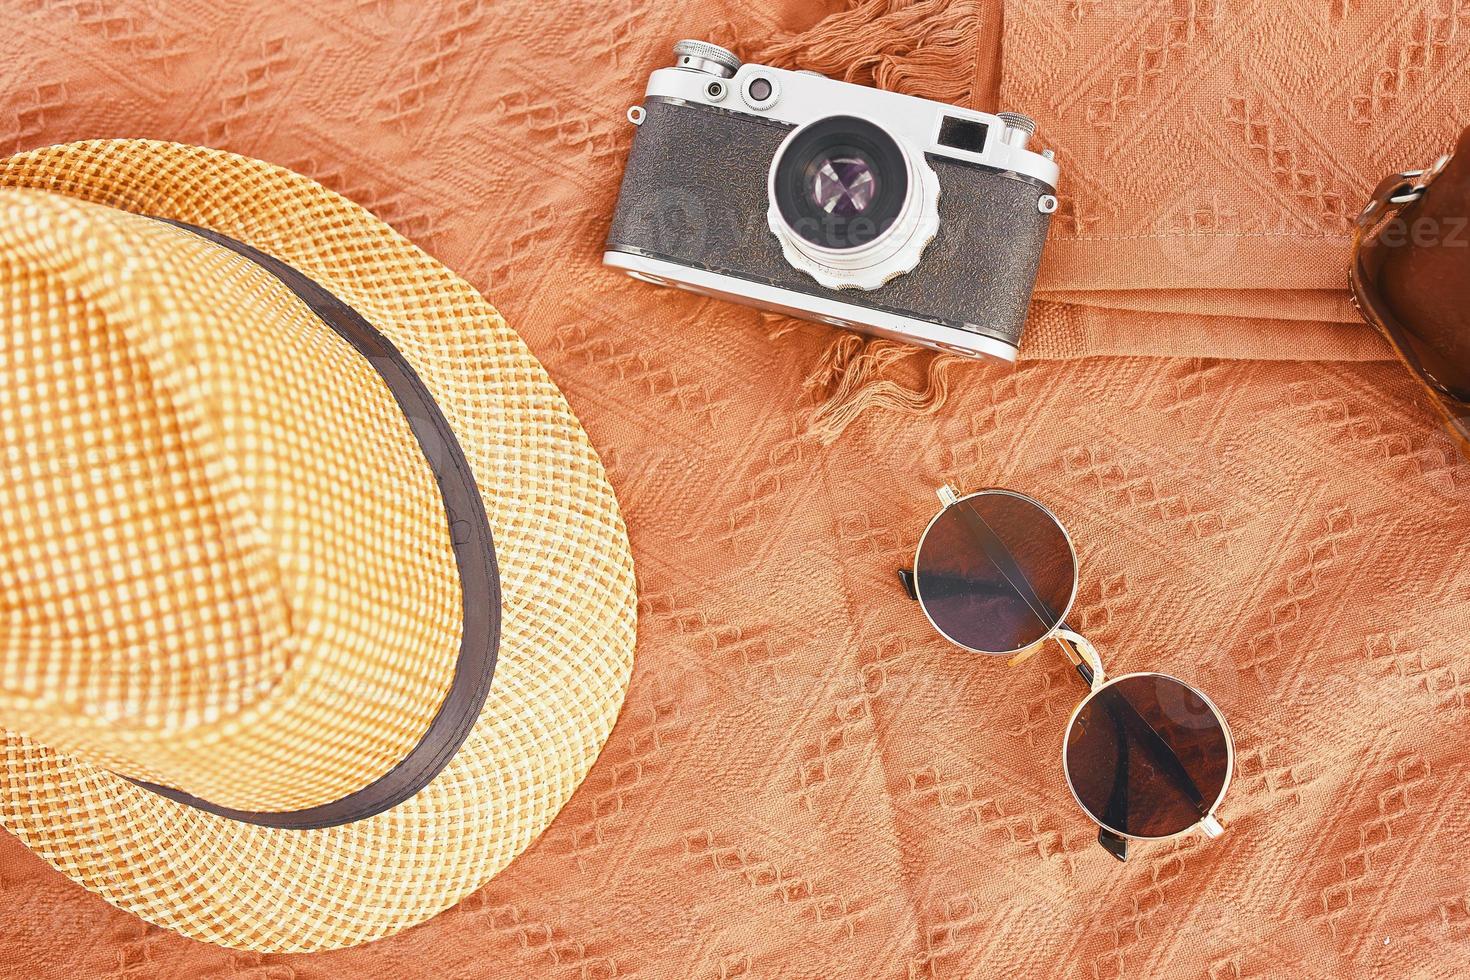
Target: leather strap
x: 474, y: 553
x: 1409, y: 273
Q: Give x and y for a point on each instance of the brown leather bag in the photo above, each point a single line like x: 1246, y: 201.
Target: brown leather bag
x: 1411, y: 277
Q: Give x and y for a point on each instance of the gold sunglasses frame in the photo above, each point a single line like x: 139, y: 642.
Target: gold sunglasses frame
x: 1085, y: 659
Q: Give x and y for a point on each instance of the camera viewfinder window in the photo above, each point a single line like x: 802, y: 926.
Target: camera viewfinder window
x: 963, y: 134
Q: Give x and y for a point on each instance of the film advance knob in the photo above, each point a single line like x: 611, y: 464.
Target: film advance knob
x: 706, y: 57
x: 1018, y: 128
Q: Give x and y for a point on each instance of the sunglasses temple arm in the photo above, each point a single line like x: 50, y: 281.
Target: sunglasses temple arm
x: 1168, y: 759
x: 941, y: 585
x: 998, y: 554
x: 1114, y: 844
x: 1088, y: 664
x: 1116, y: 812
x: 1079, y: 651
x: 906, y: 576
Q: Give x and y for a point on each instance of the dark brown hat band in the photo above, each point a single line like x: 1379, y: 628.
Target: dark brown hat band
x: 474, y: 553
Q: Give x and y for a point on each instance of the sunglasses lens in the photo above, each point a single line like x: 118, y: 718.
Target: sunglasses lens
x: 1147, y: 756
x: 995, y: 572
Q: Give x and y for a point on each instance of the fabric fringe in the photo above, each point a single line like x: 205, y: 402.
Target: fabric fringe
x: 850, y: 378
x: 901, y: 45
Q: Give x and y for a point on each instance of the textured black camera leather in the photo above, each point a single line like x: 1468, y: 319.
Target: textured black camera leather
x: 694, y: 193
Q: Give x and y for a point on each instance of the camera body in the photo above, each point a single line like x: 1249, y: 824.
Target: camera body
x: 848, y: 205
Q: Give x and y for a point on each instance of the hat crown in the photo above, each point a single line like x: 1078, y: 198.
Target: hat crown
x: 212, y: 505
x: 564, y: 632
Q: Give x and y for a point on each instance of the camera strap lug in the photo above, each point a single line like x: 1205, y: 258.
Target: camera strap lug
x: 1398, y: 191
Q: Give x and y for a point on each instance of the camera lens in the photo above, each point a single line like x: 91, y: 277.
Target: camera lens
x: 845, y: 183
x: 851, y: 205
x: 840, y: 182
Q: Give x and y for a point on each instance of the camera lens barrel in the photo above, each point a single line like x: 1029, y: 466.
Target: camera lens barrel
x: 851, y: 206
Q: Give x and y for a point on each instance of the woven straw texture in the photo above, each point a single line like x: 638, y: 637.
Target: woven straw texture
x: 277, y: 614
x: 806, y: 782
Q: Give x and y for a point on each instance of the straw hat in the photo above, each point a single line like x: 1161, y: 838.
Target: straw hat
x: 279, y: 495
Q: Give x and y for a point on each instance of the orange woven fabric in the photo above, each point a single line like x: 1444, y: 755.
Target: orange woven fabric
x: 805, y: 781
x: 1223, y: 145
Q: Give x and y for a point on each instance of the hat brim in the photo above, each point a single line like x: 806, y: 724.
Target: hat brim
x: 568, y: 617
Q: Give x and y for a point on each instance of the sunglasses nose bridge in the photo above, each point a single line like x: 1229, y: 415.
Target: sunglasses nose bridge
x: 1078, y: 648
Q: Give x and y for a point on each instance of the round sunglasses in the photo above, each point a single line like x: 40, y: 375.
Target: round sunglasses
x: 1147, y: 756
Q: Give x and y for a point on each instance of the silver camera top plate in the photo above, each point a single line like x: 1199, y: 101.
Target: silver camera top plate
x: 798, y: 97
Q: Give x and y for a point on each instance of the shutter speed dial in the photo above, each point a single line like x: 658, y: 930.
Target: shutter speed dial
x: 703, y: 56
